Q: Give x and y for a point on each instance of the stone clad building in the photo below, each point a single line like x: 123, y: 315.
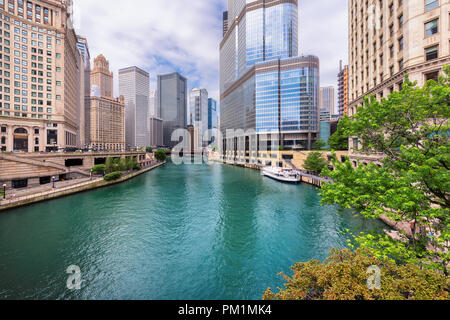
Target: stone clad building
x: 39, y: 77
x: 391, y: 39
x: 105, y: 115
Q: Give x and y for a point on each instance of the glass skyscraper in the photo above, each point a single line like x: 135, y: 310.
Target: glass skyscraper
x: 264, y: 87
x: 172, y: 105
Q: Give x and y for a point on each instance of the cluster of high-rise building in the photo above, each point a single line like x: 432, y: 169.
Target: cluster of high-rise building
x: 51, y: 99
x: 268, y: 94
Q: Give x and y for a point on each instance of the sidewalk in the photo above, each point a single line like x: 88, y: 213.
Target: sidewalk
x: 43, y: 193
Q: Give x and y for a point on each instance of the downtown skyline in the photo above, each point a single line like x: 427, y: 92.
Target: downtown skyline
x: 149, y: 41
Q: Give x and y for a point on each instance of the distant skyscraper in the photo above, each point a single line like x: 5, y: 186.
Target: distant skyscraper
x: 85, y: 81
x: 212, y: 116
x: 172, y: 104
x: 225, y: 23
x: 264, y: 86
x: 153, y: 111
x: 134, y: 85
x: 198, y: 102
x: 343, y: 90
x: 105, y: 115
x: 326, y: 100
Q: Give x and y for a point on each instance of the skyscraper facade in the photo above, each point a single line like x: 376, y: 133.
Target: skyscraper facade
x: 105, y: 115
x: 401, y: 37
x: 39, y: 77
x: 326, y: 100
x: 172, y: 105
x: 212, y: 114
x: 343, y: 90
x: 134, y: 86
x: 391, y: 39
x: 264, y: 87
x: 198, y: 114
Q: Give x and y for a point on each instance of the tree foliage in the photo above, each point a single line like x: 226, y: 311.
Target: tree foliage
x: 315, y: 162
x: 339, y: 140
x: 113, y: 176
x: 160, y: 155
x: 344, y: 276
x: 319, y: 144
x: 98, y: 169
x: 410, y: 131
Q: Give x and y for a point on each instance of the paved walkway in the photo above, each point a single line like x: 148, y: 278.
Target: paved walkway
x: 16, y: 197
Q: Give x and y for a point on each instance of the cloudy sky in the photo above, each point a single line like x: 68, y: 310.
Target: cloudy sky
x: 163, y: 36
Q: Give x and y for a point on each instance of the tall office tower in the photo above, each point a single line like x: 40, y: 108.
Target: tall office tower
x: 153, y: 112
x: 105, y: 115
x: 264, y: 87
x: 326, y: 100
x: 172, y: 103
x: 39, y: 72
x: 134, y: 85
x: 225, y: 23
x: 342, y: 90
x: 401, y: 37
x: 85, y: 78
x: 213, y: 121
x: 155, y: 124
x: 198, y: 115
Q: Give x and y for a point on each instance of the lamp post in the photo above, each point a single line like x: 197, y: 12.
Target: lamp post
x: 53, y: 179
x: 4, y: 191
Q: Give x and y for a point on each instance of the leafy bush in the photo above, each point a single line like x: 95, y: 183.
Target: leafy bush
x: 344, y: 276
x: 160, y: 155
x: 113, y: 176
x: 100, y: 168
x: 315, y: 162
x: 149, y: 149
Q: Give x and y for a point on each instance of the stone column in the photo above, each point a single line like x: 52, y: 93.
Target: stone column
x: 30, y: 138
x: 10, y: 139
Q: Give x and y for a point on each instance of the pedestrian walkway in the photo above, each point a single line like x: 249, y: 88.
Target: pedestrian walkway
x: 18, y: 198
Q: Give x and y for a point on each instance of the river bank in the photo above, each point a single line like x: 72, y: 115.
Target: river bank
x: 69, y: 190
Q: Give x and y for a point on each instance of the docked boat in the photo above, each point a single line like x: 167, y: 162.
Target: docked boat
x: 282, y: 175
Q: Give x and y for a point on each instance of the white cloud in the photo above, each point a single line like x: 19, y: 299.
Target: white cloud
x: 163, y: 36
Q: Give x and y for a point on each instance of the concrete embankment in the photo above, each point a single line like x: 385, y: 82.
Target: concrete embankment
x: 58, y: 193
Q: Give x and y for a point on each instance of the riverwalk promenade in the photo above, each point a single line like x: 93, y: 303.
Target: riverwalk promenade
x: 43, y: 193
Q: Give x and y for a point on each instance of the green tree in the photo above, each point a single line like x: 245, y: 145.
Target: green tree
x: 109, y: 164
x: 123, y: 164
x: 160, y: 155
x: 315, y: 162
x: 319, y: 144
x: 344, y: 276
x: 149, y: 149
x: 113, y: 176
x: 99, y: 169
x: 129, y: 163
x: 411, y: 130
x: 339, y: 140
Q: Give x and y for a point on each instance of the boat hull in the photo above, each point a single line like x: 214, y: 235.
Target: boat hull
x: 291, y: 180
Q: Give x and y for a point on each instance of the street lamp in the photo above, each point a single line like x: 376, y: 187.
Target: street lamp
x: 4, y: 191
x: 53, y: 179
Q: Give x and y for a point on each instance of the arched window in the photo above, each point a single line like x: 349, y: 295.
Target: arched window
x: 21, y: 131
x: 3, y: 140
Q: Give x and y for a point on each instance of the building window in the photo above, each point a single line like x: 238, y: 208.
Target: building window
x: 400, y: 43
x: 432, y: 76
x: 431, y: 4
x: 432, y: 53
x: 431, y: 27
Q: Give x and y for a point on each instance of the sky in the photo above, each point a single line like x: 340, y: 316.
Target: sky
x: 164, y: 36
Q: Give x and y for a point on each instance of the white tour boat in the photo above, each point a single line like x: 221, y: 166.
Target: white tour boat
x: 282, y: 174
